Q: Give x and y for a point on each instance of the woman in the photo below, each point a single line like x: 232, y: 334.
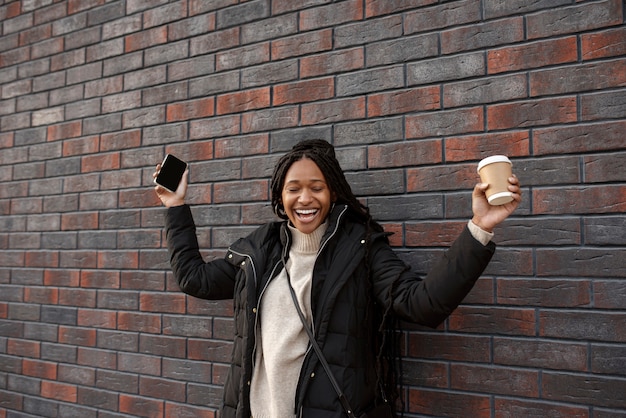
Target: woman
x: 330, y: 256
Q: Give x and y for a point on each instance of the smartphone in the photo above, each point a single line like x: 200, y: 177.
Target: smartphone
x: 172, y: 170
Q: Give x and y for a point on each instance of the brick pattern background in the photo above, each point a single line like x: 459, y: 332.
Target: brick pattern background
x: 93, y: 93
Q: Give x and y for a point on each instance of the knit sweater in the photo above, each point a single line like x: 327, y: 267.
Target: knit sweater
x: 281, y: 339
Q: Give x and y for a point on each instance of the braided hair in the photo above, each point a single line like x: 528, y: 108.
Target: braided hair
x: 385, y: 338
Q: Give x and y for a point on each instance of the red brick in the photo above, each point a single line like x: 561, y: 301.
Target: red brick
x: 532, y: 55
x: 141, y: 407
x: 100, y: 162
x: 243, y: 101
x: 58, y: 391
x: 192, y: 109
x: 145, y: 39
x: 41, y: 295
x: 79, y: 221
x: 603, y: 44
x: 194, y: 151
x: 162, y: 302
x: 303, y: 91
x: 81, y: 146
x: 403, y: 101
x: 23, y: 348
x: 40, y: 369
x: 82, y: 337
x: 332, y: 62
x: 34, y: 35
x: 130, y: 321
x: 531, y: 113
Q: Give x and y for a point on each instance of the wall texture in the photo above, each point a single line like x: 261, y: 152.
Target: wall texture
x: 412, y: 93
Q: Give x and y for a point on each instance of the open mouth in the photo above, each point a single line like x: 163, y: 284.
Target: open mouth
x: 306, y: 214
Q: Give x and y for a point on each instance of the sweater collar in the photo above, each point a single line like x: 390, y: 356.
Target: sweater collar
x: 307, y: 243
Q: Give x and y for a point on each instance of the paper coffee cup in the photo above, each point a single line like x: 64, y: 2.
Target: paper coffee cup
x: 495, y: 171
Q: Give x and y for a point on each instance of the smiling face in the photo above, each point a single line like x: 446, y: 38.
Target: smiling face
x: 306, y: 197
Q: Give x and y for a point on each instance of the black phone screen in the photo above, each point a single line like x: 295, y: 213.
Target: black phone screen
x: 172, y: 170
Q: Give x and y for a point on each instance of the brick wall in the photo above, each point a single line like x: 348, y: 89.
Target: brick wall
x: 412, y: 94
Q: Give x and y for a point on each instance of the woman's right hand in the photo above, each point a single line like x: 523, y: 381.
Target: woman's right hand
x: 170, y: 199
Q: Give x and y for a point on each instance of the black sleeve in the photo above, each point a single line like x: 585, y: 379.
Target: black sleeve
x: 431, y: 300
x: 213, y: 280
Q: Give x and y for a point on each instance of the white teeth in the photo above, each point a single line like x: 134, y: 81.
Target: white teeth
x: 306, y: 212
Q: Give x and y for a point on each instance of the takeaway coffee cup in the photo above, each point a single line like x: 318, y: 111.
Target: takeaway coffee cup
x: 495, y: 171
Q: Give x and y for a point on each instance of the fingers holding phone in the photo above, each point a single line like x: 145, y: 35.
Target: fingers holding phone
x: 170, y: 178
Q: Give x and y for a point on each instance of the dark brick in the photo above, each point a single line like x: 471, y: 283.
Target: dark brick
x: 243, y: 13
x: 583, y: 325
x: 445, y: 68
x: 482, y: 35
x: 442, y: 16
x: 581, y: 17
x: 585, y: 389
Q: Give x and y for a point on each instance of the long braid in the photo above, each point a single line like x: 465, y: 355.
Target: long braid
x: 386, y: 336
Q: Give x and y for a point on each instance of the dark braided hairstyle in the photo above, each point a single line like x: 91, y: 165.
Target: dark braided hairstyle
x: 385, y: 338
x: 323, y: 154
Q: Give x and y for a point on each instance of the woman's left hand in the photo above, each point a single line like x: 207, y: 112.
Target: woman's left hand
x: 487, y: 216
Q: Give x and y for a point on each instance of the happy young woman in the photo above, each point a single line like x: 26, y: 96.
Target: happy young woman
x: 325, y: 269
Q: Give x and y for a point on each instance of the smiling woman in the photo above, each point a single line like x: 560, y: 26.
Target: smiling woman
x: 306, y: 198
x: 325, y: 277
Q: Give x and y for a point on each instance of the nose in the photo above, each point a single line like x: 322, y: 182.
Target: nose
x: 305, y: 196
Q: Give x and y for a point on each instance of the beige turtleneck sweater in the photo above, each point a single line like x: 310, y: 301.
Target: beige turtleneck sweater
x: 281, y: 340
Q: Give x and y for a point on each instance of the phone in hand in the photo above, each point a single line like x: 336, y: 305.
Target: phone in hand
x: 171, y: 173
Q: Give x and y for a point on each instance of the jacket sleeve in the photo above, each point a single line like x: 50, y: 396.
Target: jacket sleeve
x: 431, y: 300
x: 213, y: 280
